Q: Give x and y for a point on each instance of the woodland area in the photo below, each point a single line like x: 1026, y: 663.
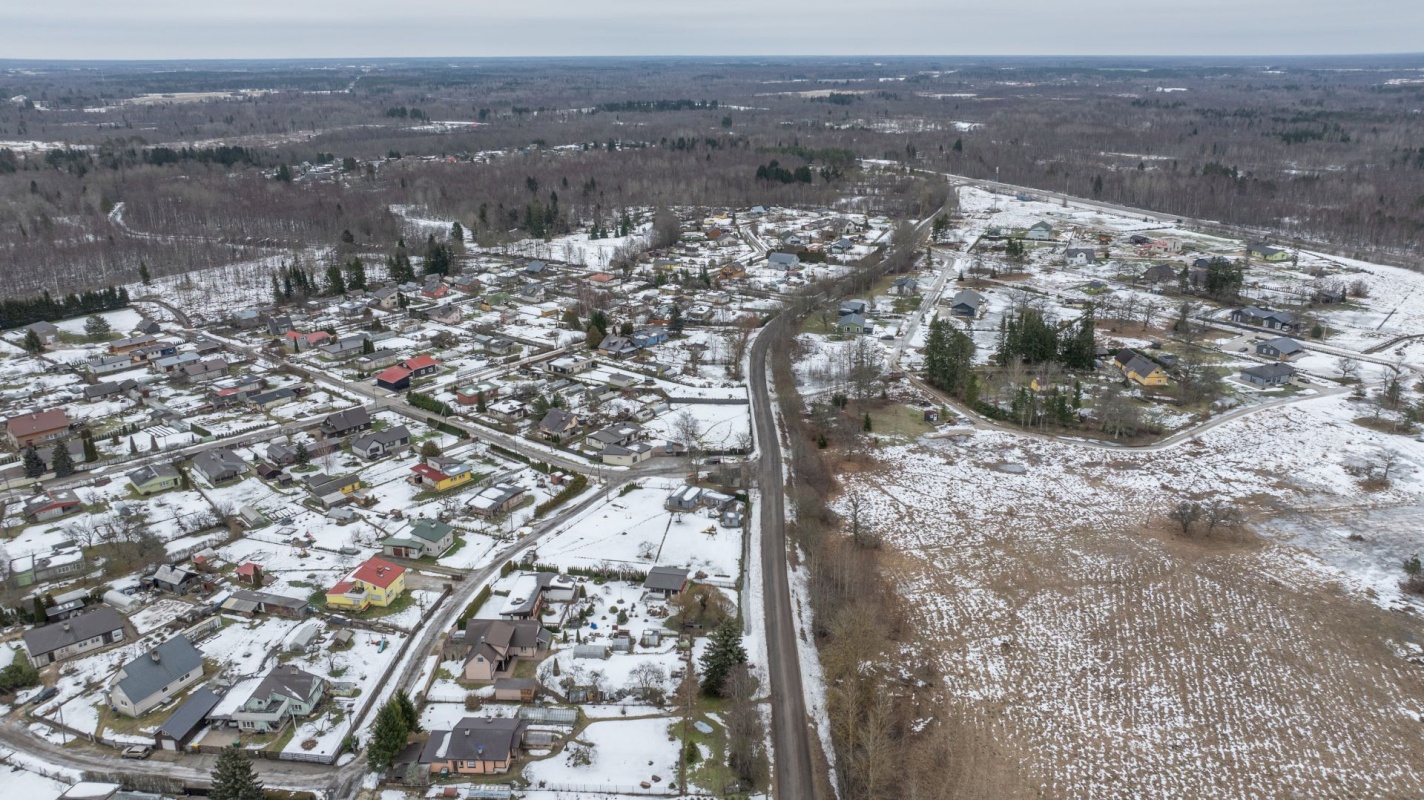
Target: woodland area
x: 215, y: 166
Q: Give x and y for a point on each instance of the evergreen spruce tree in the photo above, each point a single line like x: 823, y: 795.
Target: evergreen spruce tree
x: 408, y: 712
x: 33, y: 464
x: 91, y: 453
x: 96, y: 326
x: 388, y: 736
x: 284, y: 174
x: 302, y: 456
x: 143, y: 274
x: 356, y: 274
x: 60, y: 461
x: 724, y: 651
x: 675, y: 321
x: 233, y: 778
x: 480, y: 405
x: 335, y: 281
x: 32, y: 343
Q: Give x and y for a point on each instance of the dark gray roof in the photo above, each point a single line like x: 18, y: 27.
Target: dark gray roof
x: 148, y: 473
x: 75, y: 629
x: 217, y: 461
x: 505, y: 633
x: 190, y: 715
x: 665, y: 579
x: 348, y: 419
x: 288, y: 681
x: 269, y: 599
x: 388, y: 436
x: 967, y: 297
x: 1285, y: 344
x: 146, y: 675
x: 475, y: 739
x: 1276, y: 370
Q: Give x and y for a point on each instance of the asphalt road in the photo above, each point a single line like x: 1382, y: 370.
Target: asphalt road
x: 790, y: 730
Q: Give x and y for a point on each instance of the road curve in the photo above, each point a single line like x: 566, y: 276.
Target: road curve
x: 792, y: 777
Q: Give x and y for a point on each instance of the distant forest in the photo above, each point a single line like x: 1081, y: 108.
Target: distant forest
x: 104, y: 170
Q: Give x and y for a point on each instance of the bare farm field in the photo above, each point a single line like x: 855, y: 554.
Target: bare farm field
x: 1087, y: 649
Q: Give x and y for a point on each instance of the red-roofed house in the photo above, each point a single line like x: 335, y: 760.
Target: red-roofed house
x: 600, y: 277
x: 420, y: 366
x: 396, y: 379
x: 377, y: 582
x: 33, y: 430
x: 302, y: 341
x: 441, y: 473
x: 250, y: 573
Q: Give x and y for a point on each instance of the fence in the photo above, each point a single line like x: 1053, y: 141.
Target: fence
x: 657, y: 789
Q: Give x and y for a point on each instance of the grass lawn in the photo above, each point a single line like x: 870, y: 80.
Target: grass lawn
x: 899, y: 421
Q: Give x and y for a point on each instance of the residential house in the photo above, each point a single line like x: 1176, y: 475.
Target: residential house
x: 1282, y: 348
x: 246, y: 318
x: 345, y: 348
x: 1080, y: 256
x: 558, y: 423
x: 621, y: 434
x: 387, y: 298
x: 1268, y: 374
x: 494, y: 645
x: 1159, y: 273
x: 1039, y: 232
x: 155, y: 478
x: 507, y: 410
x: 666, y: 582
x: 535, y: 267
x: 567, y: 365
x: 615, y: 346
x: 1266, y: 252
x: 477, y: 746
x: 284, y: 695
x: 434, y: 288
x: 268, y: 603
x: 173, y: 363
x: 626, y: 456
x: 203, y: 371
x: 1139, y: 369
x: 468, y: 284
x: 1265, y: 318
x: 99, y: 391
x: 265, y: 401
x: 496, y: 499
x: 470, y: 394
x: 967, y: 303
x: 107, y: 365
x: 421, y: 366
x: 345, y: 423
x: 647, y: 337
x: 377, y: 582
x: 427, y: 537
x: 448, y: 314
x: 526, y: 596
x: 279, y: 324
x: 174, y: 580
x: 34, y: 430
x: 325, y: 487
x: 156, y: 677
x: 905, y: 286
x: 179, y: 730
x: 855, y: 324
x: 848, y: 307
x: 842, y: 246
x: 219, y: 464
x: 132, y: 343
x: 75, y: 636
x: 183, y: 725
x: 51, y: 504
x: 377, y: 444
x: 47, y: 332
x: 394, y: 379
x: 302, y: 341
x: 783, y: 261
x: 441, y: 473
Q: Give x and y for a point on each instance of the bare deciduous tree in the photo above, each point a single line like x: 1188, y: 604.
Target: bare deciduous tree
x: 1185, y: 514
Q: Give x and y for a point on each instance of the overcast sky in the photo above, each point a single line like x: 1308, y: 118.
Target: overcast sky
x: 183, y: 29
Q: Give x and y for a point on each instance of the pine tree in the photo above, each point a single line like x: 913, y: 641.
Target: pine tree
x: 96, y: 326
x: 867, y: 425
x: 234, y: 779
x: 301, y: 456
x: 675, y: 321
x: 284, y: 174
x: 91, y: 453
x: 335, y: 281
x: 399, y: 266
x: 33, y: 464
x: 356, y: 274
x: 388, y: 736
x: 480, y: 405
x: 276, y: 290
x: 60, y: 461
x: 724, y: 651
x: 143, y: 274
x: 437, y: 257
x: 32, y: 343
x: 133, y: 447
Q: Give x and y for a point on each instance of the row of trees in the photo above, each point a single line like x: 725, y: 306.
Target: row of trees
x: 44, y: 308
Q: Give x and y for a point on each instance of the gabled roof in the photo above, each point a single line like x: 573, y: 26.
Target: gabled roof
x: 475, y: 739
x: 558, y: 420
x: 967, y: 297
x: 143, y: 475
x: 146, y: 675
x: 190, y: 715
x: 26, y: 424
x: 393, y: 375
x: 386, y: 437
x: 665, y: 579
x: 431, y: 530
x: 286, y: 680
x: 73, y: 630
x: 1268, y: 371
x: 420, y: 362
x: 1285, y: 345
x: 348, y: 419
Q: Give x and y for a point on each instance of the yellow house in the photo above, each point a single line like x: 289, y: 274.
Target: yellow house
x: 1139, y: 369
x: 441, y: 473
x: 377, y: 582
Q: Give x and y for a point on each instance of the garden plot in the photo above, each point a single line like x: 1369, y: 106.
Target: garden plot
x: 620, y: 753
x: 719, y: 427
x: 635, y: 530
x: 1112, y: 657
x: 365, y: 664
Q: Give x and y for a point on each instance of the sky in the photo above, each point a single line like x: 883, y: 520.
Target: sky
x: 192, y: 29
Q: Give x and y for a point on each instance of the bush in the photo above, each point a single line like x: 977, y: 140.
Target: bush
x: 574, y: 487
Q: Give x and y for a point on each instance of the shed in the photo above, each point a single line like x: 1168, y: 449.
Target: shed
x: 591, y: 651
x: 180, y: 728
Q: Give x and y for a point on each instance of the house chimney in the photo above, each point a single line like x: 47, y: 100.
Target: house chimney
x: 66, y: 626
x: 155, y: 656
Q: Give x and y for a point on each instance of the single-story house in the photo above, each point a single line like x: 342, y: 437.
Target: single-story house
x: 275, y: 604
x: 1265, y: 318
x: 80, y: 634
x: 322, y: 485
x: 376, y: 444
x: 783, y: 261
x: 51, y: 504
x: 441, y: 473
x: 99, y: 391
x: 394, y: 379
x: 219, y: 464
x: 558, y: 422
x: 621, y: 434
x: 1282, y: 348
x: 155, y: 478
x: 1159, y: 273
x: 155, y: 677
x: 967, y: 303
x: 174, y: 580
x: 265, y: 401
x: 496, y: 499
x: 420, y: 366
x: 854, y: 324
x: 666, y: 581
x: 647, y: 337
x: 615, y: 346
x: 285, y: 694
x: 1268, y: 374
x: 620, y: 456
x: 1139, y: 369
x: 568, y: 365
x: 905, y: 286
x: 477, y: 746
x: 1266, y: 252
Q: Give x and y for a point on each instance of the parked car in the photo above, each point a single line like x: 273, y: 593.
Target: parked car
x: 138, y: 751
x: 45, y: 695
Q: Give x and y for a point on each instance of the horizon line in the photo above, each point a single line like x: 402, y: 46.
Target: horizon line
x: 705, y: 57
